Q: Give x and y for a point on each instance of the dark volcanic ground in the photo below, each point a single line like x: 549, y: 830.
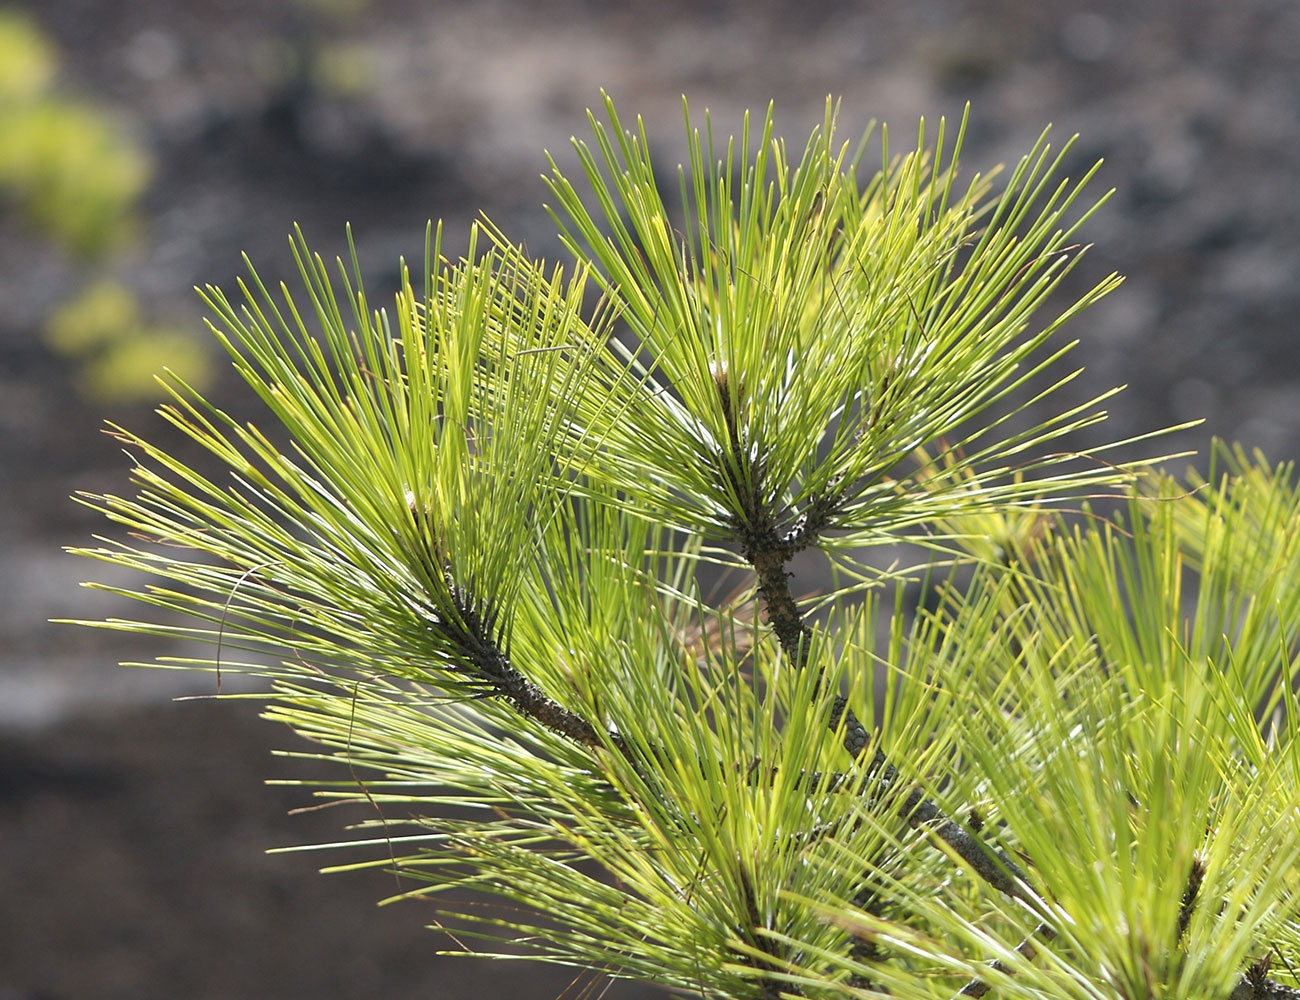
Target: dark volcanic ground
x: 133, y: 830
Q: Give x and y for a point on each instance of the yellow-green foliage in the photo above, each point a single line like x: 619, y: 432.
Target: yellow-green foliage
x: 116, y: 351
x: 28, y: 61
x: 343, y: 69
x: 471, y: 542
x: 76, y: 176
x: 71, y: 169
x: 338, y: 9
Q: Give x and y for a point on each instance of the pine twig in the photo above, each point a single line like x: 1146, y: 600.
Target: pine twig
x: 491, y: 665
x: 1027, y: 950
x: 769, y: 553
x: 1255, y: 985
x: 1195, y: 876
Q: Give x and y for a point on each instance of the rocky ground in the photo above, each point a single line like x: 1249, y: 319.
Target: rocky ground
x: 133, y: 830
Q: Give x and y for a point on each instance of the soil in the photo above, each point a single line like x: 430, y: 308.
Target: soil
x: 133, y: 831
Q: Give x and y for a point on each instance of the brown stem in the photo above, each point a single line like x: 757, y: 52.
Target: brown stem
x: 492, y: 666
x: 768, y: 554
x: 772, y: 961
x: 1255, y: 985
x: 1195, y: 876
x: 769, y: 558
x: 1027, y: 949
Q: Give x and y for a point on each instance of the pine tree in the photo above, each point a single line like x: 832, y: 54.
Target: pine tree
x: 484, y: 573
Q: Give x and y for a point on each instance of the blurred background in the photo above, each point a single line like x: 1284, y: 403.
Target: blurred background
x: 144, y: 144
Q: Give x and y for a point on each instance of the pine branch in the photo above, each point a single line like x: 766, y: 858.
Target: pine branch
x: 768, y: 554
x: 1255, y: 985
x: 473, y: 635
x: 777, y: 335
x: 1195, y: 876
x: 1026, y: 949
x: 772, y: 961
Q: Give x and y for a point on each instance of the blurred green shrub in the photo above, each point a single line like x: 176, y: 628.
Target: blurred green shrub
x: 75, y: 175
x: 341, y: 10
x: 72, y: 173
x: 343, y: 69
x: 70, y: 169
x: 116, y: 351
x: 28, y: 61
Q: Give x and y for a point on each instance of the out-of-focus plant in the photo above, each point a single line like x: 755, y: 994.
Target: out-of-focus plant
x: 28, y: 62
x: 117, y: 351
x: 338, y: 10
x: 75, y: 176
x: 72, y: 171
x: 321, y: 57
